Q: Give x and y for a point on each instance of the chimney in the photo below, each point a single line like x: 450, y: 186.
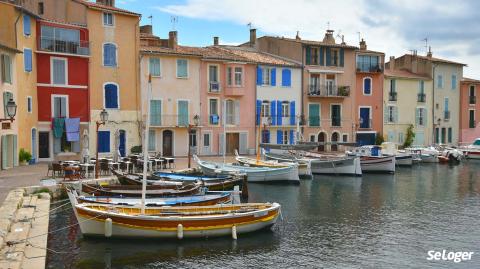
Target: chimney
x: 391, y: 64
x: 253, y: 37
x: 172, y: 40
x: 429, y: 53
x: 110, y: 3
x: 329, y: 39
x: 363, y: 45
x: 297, y: 37
x: 215, y: 40
x: 146, y: 29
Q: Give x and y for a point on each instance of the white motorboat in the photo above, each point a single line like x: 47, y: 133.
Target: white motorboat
x: 372, y: 160
x: 472, y: 151
x: 254, y: 174
x: 424, y: 154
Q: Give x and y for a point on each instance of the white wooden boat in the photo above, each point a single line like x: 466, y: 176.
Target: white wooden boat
x: 254, y: 174
x: 472, y: 151
x: 349, y: 166
x: 304, y: 164
x: 174, y: 221
x: 425, y: 154
x: 402, y: 158
x: 372, y: 161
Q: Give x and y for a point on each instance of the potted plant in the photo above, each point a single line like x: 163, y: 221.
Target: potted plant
x: 24, y: 157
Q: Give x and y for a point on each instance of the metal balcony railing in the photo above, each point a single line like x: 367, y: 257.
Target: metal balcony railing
x: 362, y: 67
x: 421, y: 97
x: 446, y: 115
x: 472, y: 99
x: 365, y: 124
x: 328, y: 90
x: 65, y: 46
x: 392, y: 96
x: 214, y: 86
x: 171, y: 120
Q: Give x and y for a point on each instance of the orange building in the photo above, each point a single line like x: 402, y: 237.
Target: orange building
x: 469, y: 110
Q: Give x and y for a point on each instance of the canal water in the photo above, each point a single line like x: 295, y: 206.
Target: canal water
x: 377, y: 221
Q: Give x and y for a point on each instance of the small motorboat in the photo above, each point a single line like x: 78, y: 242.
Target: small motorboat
x: 472, y: 151
x: 254, y: 174
x: 136, y: 190
x: 372, y: 160
x: 451, y: 156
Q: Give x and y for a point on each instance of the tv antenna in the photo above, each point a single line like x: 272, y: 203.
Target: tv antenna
x: 426, y: 43
x: 151, y: 19
x: 174, y: 21
x: 249, y: 25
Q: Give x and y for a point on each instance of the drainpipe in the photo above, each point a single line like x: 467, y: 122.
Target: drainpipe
x: 302, y: 103
x: 16, y: 35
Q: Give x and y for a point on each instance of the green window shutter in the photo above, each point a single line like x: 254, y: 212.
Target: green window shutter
x: 183, y: 113
x: 151, y: 140
x: 314, y: 114
x: 154, y: 66
x: 15, y: 152
x: 307, y: 55
x: 4, y: 152
x: 322, y: 57
x: 156, y: 112
x: 342, y: 57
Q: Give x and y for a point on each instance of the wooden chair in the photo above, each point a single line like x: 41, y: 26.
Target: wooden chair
x: 104, y: 169
x: 57, y: 169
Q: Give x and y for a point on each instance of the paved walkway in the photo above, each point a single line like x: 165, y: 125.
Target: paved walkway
x: 30, y: 175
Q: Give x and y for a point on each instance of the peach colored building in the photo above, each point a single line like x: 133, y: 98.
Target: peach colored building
x: 469, y: 110
x: 369, y: 95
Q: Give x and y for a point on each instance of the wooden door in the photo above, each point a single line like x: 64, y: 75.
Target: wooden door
x: 321, y: 139
x: 167, y: 148
x: 43, y: 145
x: 232, y: 143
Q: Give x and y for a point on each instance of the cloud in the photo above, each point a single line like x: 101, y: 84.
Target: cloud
x: 394, y: 26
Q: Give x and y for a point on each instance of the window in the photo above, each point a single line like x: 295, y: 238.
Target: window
x: 439, y: 81
x: 285, y: 137
x: 345, y: 138
x: 60, y: 107
x: 6, y: 97
x: 27, y: 60
x: 182, y: 68
x: 238, y: 76
x: 109, y: 55
x: 183, y: 113
x: 265, y: 109
x: 450, y: 134
x: 103, y: 141
x: 336, y: 115
x: 213, y: 73
x: 229, y: 76
x: 29, y: 104
x: 312, y: 138
x: 65, y: 145
x: 454, y: 82
x: 368, y: 63
x: 108, y: 19
x: 265, y: 136
x: 6, y: 65
x: 285, y: 109
x: 421, y: 116
x: 214, y: 118
x: 62, y: 40
x: 206, y: 140
x: 391, y: 114
x: 59, y: 71
x: 471, y: 121
x: 230, y: 112
x: 367, y: 86
x: 334, y: 57
x: 400, y: 138
x: 445, y: 109
x: 156, y: 112
x: 26, y: 25
x: 314, y: 114
x: 192, y: 138
x: 266, y: 71
x: 40, y: 8
x: 111, y: 97
x: 151, y: 140
x: 154, y: 67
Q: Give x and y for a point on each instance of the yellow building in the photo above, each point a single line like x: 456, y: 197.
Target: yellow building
x: 18, y: 82
x: 407, y: 100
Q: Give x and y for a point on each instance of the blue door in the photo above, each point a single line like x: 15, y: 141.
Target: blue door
x: 365, y: 117
x: 122, y: 143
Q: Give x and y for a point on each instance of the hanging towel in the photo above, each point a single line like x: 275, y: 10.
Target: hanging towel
x: 72, y: 127
x: 58, y: 127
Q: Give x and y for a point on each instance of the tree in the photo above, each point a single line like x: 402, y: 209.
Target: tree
x: 379, y: 139
x: 410, y: 137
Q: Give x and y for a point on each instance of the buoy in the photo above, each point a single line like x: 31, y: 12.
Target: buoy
x: 234, y: 232
x: 108, y: 227
x: 180, y: 231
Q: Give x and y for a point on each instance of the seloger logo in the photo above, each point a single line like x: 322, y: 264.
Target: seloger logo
x: 449, y: 256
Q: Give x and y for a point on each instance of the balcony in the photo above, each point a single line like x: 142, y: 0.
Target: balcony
x: 446, y: 115
x: 65, y: 46
x: 472, y: 99
x: 234, y: 91
x: 171, y: 120
x: 284, y: 121
x: 471, y: 124
x: 392, y: 96
x: 214, y: 87
x: 421, y: 97
x: 315, y: 90
x: 365, y: 124
x: 369, y: 68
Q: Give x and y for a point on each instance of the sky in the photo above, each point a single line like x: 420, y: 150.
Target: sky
x: 395, y: 27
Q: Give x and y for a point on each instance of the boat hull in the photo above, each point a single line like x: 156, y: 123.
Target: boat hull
x: 404, y: 160
x: 304, y: 168
x: 383, y: 164
x: 347, y: 166
x: 472, y: 154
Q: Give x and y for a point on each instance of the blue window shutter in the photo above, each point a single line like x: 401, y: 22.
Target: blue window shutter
x: 259, y: 111
x: 27, y: 60
x: 291, y: 137
x: 292, y: 113
x: 307, y: 55
x: 342, y: 57
x: 286, y: 77
x: 328, y: 56
x: 279, y: 137
x: 259, y: 75
x: 111, y: 96
x: 279, y: 112
x: 273, y: 77
x: 322, y: 61
x: 26, y: 25
x: 103, y: 141
x: 109, y: 55
x: 367, y: 85
x: 273, y: 112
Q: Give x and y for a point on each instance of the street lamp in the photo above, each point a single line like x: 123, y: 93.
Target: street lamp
x: 11, y: 111
x: 103, y: 119
x: 196, y: 122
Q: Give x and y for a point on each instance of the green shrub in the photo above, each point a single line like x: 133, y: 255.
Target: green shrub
x: 379, y: 139
x: 136, y: 149
x: 410, y: 137
x: 24, y: 156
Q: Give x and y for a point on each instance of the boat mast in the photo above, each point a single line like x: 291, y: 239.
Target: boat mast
x: 145, y: 146
x: 224, y: 112
x: 259, y: 136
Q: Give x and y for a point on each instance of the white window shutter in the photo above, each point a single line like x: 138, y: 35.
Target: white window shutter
x: 237, y: 112
x: 220, y: 144
x: 243, y: 143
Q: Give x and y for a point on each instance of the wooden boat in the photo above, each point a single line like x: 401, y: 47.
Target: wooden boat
x: 207, y: 199
x: 220, y: 184
x: 349, y: 166
x: 174, y: 221
x: 402, y: 158
x: 136, y: 190
x: 472, y: 151
x: 131, y: 179
x: 372, y: 160
x: 260, y: 163
x: 254, y: 174
x: 303, y: 164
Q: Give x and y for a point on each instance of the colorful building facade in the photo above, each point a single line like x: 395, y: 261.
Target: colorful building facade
x: 469, y: 110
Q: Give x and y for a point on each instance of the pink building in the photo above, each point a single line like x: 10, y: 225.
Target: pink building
x: 469, y: 110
